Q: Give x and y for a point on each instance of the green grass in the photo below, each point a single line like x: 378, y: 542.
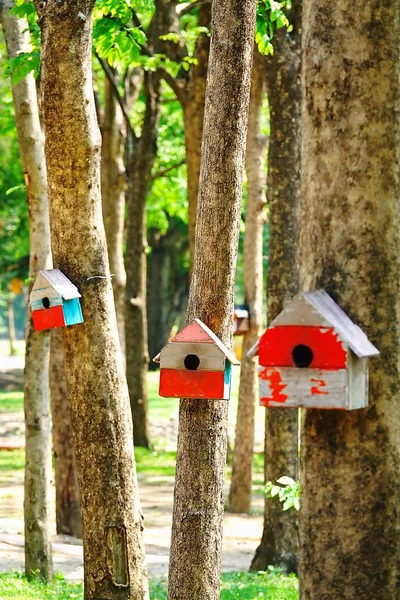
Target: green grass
x: 11, y: 401
x: 19, y: 347
x: 234, y: 586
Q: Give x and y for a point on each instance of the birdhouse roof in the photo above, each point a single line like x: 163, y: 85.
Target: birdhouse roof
x: 58, y: 281
x: 198, y: 332
x: 317, y: 309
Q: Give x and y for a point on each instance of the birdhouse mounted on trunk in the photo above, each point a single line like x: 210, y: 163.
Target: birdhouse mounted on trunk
x: 241, y: 322
x: 196, y: 364
x: 313, y: 356
x: 54, y: 301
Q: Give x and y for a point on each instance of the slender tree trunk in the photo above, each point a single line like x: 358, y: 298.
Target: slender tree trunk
x: 242, y: 467
x: 198, y: 498
x: 38, y: 559
x: 11, y: 324
x: 350, y: 520
x: 113, y: 184
x: 137, y: 357
x: 279, y: 542
x: 68, y: 516
x: 112, y: 523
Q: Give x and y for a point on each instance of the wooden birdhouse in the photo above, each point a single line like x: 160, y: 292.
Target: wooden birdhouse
x: 241, y: 323
x: 313, y: 356
x: 195, y: 364
x: 54, y: 301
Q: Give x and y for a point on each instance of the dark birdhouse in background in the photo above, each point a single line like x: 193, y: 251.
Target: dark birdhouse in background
x: 54, y: 301
x: 196, y: 364
x: 241, y: 323
x: 313, y: 356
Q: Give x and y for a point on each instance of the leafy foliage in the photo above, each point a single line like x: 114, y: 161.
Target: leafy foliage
x: 270, y: 15
x: 288, y: 492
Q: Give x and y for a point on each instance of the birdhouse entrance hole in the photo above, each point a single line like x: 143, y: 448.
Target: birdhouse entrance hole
x: 191, y: 362
x: 302, y: 356
x: 46, y: 302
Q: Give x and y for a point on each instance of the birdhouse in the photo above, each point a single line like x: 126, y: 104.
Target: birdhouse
x: 195, y: 364
x: 313, y: 356
x: 241, y: 323
x: 54, y: 301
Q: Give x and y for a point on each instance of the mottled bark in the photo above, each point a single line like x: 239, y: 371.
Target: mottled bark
x: 68, y: 516
x: 11, y: 324
x: 141, y: 164
x: 199, y: 486
x: 242, y: 465
x: 113, y: 184
x: 349, y: 246
x: 279, y: 542
x: 112, y: 523
x: 38, y: 559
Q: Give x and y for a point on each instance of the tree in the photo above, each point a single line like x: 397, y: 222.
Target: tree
x: 279, y: 542
x: 38, y: 558
x: 242, y: 466
x: 198, y: 497
x: 102, y: 428
x: 349, y: 245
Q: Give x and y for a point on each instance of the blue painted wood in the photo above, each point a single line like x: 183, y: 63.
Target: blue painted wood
x: 38, y: 304
x: 72, y: 311
x: 227, y: 380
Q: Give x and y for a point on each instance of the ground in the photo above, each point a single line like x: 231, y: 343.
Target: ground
x: 241, y: 533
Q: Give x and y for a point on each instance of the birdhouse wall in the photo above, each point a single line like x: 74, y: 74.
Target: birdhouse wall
x: 174, y: 354
x: 53, y: 301
x: 227, y: 380
x: 47, y: 292
x: 72, y: 312
x: 176, y: 383
x: 48, y: 318
x: 357, y: 382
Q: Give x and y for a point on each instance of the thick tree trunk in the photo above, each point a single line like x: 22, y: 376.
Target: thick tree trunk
x: 242, y: 466
x: 68, y: 516
x: 112, y: 523
x: 350, y: 485
x: 137, y: 357
x: 11, y: 324
x: 279, y: 542
x: 113, y: 184
x: 193, y: 114
x: 198, y: 498
x: 38, y: 559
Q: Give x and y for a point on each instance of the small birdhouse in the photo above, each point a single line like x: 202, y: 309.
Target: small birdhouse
x: 196, y: 364
x: 54, y: 301
x: 313, y: 356
x: 241, y: 323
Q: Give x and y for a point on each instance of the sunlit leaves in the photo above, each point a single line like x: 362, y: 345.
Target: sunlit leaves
x: 288, y: 492
x: 270, y: 16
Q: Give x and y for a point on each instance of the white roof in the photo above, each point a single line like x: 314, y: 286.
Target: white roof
x: 59, y: 282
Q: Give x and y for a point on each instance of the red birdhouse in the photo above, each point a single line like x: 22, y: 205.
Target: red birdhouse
x: 54, y: 301
x: 195, y: 364
x: 313, y: 356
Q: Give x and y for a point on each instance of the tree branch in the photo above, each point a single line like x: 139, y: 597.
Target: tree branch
x: 178, y: 87
x: 183, y: 9
x: 164, y: 172
x: 110, y: 76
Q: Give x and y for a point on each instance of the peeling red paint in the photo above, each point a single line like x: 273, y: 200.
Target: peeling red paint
x: 276, y: 386
x: 315, y: 389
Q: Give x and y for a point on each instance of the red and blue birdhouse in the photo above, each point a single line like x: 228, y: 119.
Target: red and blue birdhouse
x: 313, y: 356
x: 54, y: 301
x: 196, y: 364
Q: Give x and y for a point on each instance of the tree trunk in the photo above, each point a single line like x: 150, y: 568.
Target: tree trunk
x: 193, y: 114
x: 242, y: 466
x: 137, y: 357
x: 11, y: 324
x: 113, y: 183
x: 112, y: 523
x: 198, y: 497
x: 68, y: 516
x: 38, y: 559
x: 349, y: 242
x: 279, y: 542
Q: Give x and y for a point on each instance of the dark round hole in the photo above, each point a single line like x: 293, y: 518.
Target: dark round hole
x: 302, y: 356
x: 191, y: 362
x: 46, y: 302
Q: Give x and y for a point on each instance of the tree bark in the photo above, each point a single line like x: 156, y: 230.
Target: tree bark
x: 68, y: 515
x: 38, y: 558
x: 198, y: 497
x: 279, y: 542
x: 113, y: 184
x: 114, y: 562
x: 349, y: 246
x: 137, y: 355
x: 242, y: 466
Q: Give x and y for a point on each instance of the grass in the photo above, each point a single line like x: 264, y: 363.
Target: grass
x: 234, y: 586
x: 11, y: 401
x: 19, y: 347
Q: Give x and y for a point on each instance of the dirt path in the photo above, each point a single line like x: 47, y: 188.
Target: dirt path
x: 241, y: 533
